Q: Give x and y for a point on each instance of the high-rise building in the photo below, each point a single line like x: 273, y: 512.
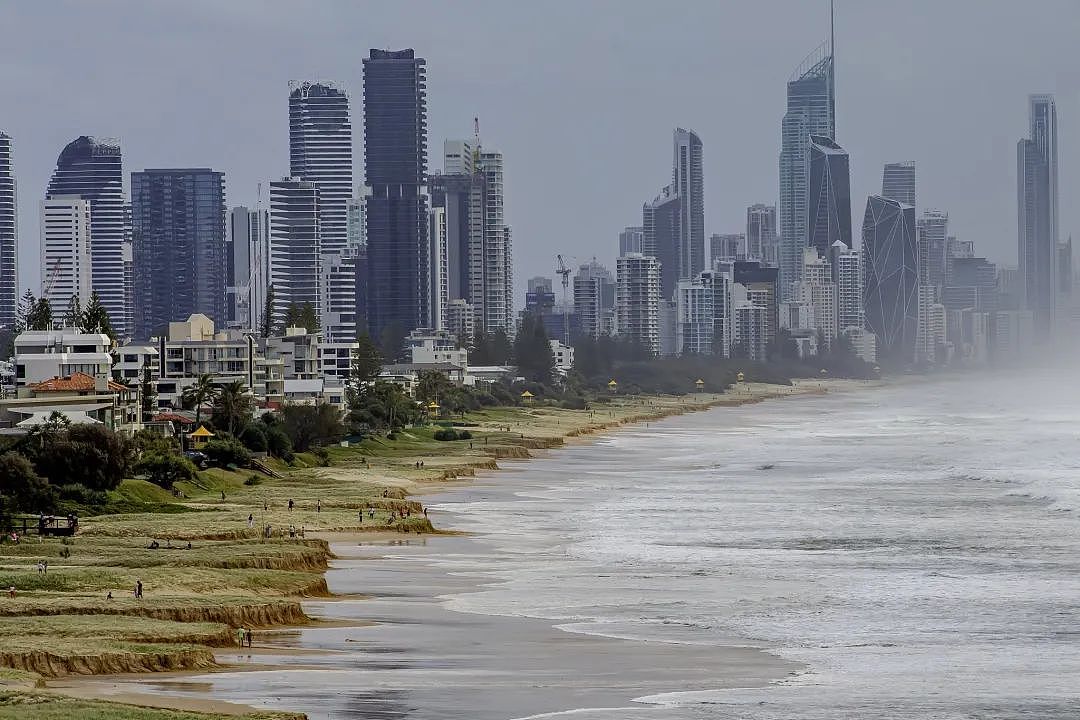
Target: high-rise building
x: 972, y: 284
x: 847, y: 274
x: 810, y: 111
x: 66, y: 264
x: 760, y: 284
x: 439, y: 273
x: 587, y: 304
x: 178, y: 246
x: 90, y: 168
x: 9, y: 235
x: 395, y: 163
x: 761, y: 233
x: 891, y: 277
x: 817, y: 290
x: 247, y: 263
x: 631, y: 239
x: 932, y: 230
x: 661, y: 220
x: 295, y: 254
x: 356, y: 221
x: 321, y: 151
x: 1037, y: 200
x: 688, y: 181
x: 898, y: 182
x: 749, y: 325
x: 829, y: 200
x: 704, y: 315
x: 479, y: 252
x: 638, y: 300
x: 729, y: 247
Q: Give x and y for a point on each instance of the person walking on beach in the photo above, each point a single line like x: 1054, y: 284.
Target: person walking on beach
x: 360, y: 517
x: 240, y: 632
x: 222, y: 496
x: 40, y: 568
x: 318, y: 506
x: 371, y: 513
x: 138, y: 590
x: 251, y: 521
x: 248, y: 637
x: 290, y: 504
x: 45, y: 567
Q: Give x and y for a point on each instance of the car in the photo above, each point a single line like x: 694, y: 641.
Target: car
x: 199, y: 459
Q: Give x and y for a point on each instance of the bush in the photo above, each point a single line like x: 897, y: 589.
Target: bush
x: 451, y: 434
x: 278, y: 443
x: 225, y: 450
x: 323, y: 454
x: 22, y: 488
x: 574, y: 402
x: 73, y: 492
x: 89, y: 455
x: 254, y: 438
x: 253, y: 480
x: 311, y: 425
x: 164, y: 470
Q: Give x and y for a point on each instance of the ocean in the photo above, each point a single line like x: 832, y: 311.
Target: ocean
x: 907, y: 551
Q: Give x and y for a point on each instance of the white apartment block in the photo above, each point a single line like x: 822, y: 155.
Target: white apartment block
x: 750, y: 325
x: 847, y: 273
x: 66, y: 268
x: 637, y: 300
x: 817, y: 289
x: 45, y: 354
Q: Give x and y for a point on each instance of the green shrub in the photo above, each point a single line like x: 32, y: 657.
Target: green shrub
x: 74, y: 492
x: 464, y: 435
x: 164, y: 470
x: 225, y: 450
x: 253, y: 480
x: 451, y: 434
x: 254, y: 438
x: 278, y: 443
x: 323, y: 454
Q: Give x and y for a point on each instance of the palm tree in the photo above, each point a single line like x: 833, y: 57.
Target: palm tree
x: 203, y: 391
x: 233, y: 404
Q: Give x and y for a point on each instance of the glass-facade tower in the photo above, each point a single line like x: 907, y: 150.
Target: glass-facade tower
x: 810, y: 111
x: 90, y: 168
x: 321, y: 151
x: 891, y: 277
x: 829, y: 195
x: 178, y: 246
x: 1037, y: 214
x: 395, y: 164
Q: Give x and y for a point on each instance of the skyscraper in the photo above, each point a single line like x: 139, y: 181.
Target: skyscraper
x: 638, y: 300
x: 395, y: 163
x: 810, y: 111
x: 898, y: 182
x: 478, y: 252
x: 688, y: 180
x: 321, y: 151
x: 1037, y: 214
x: 829, y: 200
x: 247, y: 263
x: 90, y: 168
x: 847, y: 274
x: 761, y: 233
x: 817, y: 290
x: 660, y: 221
x: 891, y: 277
x: 66, y: 264
x: 295, y: 253
x: 178, y: 246
x: 932, y: 230
x: 9, y: 235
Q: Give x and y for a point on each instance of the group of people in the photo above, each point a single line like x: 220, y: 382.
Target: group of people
x: 43, y: 567
x: 243, y: 635
x: 155, y: 545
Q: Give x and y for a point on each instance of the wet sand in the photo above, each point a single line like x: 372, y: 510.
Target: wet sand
x: 420, y: 660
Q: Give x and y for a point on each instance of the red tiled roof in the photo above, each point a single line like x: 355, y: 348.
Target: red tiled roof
x: 174, y: 417
x: 76, y: 382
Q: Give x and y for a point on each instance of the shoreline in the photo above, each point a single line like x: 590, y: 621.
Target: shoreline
x: 454, y: 476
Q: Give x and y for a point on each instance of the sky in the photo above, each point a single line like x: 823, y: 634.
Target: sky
x: 581, y: 96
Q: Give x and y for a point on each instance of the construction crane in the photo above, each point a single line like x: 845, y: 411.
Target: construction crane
x: 564, y: 272
x: 46, y: 287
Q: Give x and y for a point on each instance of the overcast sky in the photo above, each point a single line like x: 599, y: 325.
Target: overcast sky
x: 581, y: 96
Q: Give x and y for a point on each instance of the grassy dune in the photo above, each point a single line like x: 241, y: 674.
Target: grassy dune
x: 46, y: 706
x: 63, y: 622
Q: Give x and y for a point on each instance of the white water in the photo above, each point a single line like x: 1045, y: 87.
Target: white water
x: 916, y: 546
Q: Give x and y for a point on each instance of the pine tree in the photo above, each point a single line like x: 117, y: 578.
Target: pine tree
x: 23, y: 309
x: 40, y: 318
x: 96, y: 317
x: 268, y: 313
x: 74, y: 316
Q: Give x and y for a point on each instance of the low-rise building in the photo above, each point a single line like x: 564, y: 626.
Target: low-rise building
x: 44, y: 354
x: 564, y: 356
x: 79, y: 397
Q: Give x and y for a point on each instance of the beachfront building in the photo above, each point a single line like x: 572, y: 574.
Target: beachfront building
x: 295, y: 266
x: 1037, y: 214
x: 660, y: 237
x: 847, y: 275
x: 66, y: 263
x: 817, y: 289
x: 750, y: 324
x: 762, y: 288
x: 688, y: 182
x: 638, y: 300
x: 44, y: 354
x: 80, y: 398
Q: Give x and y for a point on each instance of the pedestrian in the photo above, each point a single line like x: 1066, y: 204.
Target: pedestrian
x: 45, y: 567
x: 421, y: 464
x: 425, y: 512
x: 290, y: 504
x: 360, y: 517
x: 266, y: 506
x: 108, y: 596
x: 371, y: 513
x: 249, y: 634
x: 240, y: 632
x: 11, y: 592
x: 40, y: 568
x: 222, y: 496
x: 301, y: 531
x: 251, y: 521
x: 318, y: 506
x: 138, y: 590
x: 188, y: 544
